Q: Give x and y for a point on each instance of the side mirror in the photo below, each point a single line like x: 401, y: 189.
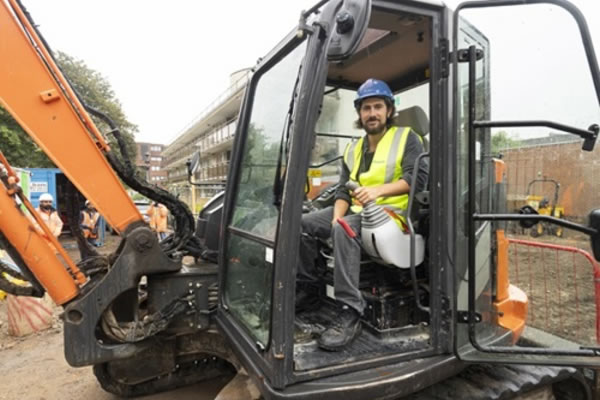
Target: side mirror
x: 594, y: 223
x: 351, y: 23
x: 193, y: 164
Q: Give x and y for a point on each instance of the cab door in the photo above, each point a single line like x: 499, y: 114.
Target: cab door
x: 526, y: 106
x: 264, y: 192
x: 251, y: 216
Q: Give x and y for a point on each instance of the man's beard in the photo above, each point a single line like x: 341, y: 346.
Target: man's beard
x: 46, y: 208
x: 375, y: 129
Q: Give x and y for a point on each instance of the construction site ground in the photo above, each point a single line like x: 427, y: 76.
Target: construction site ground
x: 33, y: 367
x: 561, y: 285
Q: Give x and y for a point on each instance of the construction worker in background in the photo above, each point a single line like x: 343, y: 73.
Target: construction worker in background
x: 158, y: 219
x: 49, y: 215
x: 88, y: 221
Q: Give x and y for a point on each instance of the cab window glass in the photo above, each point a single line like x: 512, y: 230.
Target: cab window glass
x: 249, y: 273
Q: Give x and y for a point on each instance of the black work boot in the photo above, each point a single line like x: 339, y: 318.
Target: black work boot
x: 308, y: 297
x: 343, y: 331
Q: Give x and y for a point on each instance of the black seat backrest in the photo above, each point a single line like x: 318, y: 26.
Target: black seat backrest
x: 416, y: 118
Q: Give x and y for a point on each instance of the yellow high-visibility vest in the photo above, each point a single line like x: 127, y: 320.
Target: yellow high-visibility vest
x: 386, y: 166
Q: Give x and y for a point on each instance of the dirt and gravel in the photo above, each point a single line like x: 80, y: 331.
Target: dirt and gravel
x: 33, y: 367
x: 560, y: 282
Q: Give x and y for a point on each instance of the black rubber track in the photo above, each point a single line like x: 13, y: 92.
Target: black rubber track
x: 491, y: 382
x: 202, y: 369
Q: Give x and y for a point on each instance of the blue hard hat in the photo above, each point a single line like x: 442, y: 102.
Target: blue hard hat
x: 373, y: 88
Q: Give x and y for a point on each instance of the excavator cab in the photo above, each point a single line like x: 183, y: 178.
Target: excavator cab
x: 296, y: 119
x: 148, y: 320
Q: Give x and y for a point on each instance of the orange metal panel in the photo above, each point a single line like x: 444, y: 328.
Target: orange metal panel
x: 53, y: 242
x: 9, y: 170
x: 51, y: 95
x: 511, y: 303
x: 500, y: 169
x: 36, y: 251
x: 55, y: 125
x: 513, y: 311
x: 502, y: 282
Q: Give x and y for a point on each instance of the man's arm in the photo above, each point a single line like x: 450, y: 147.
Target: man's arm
x: 340, y: 208
x: 364, y: 194
x: 81, y: 219
x: 414, y: 147
x: 57, y: 223
x: 342, y: 192
x: 342, y: 195
x: 163, y: 211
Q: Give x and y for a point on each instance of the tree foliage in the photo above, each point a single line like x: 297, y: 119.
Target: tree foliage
x: 501, y: 141
x: 94, y: 90
x: 19, y: 149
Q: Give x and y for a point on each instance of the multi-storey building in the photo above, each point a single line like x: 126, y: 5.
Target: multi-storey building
x: 149, y: 158
x: 210, y: 133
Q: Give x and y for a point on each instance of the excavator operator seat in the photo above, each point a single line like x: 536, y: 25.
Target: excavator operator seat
x: 416, y: 118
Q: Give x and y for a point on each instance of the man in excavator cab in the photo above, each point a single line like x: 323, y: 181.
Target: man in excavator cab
x: 382, y: 164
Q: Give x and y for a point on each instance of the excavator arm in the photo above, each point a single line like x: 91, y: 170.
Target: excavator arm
x: 102, y: 318
x: 37, y: 95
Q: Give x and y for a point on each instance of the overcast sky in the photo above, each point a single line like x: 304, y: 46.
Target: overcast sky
x: 166, y: 61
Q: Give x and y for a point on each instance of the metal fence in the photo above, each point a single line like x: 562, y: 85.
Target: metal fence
x: 563, y: 286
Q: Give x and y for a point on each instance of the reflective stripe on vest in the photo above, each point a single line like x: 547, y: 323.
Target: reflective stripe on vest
x: 386, y: 166
x: 89, y: 222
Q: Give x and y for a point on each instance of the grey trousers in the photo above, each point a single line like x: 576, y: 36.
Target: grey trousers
x: 345, y: 251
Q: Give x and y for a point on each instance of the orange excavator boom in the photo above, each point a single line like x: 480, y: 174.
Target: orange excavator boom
x: 37, y: 95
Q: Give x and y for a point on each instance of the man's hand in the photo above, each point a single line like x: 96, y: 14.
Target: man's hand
x: 365, y: 194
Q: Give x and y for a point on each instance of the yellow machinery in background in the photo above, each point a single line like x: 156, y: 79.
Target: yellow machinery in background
x: 544, y: 207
